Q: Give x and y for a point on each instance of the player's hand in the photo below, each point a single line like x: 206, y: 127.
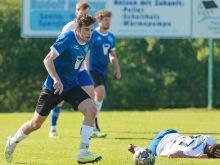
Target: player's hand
x: 117, y: 74
x: 58, y: 87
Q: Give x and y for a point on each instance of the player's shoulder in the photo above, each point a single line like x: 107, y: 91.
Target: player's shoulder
x: 111, y: 34
x: 95, y: 35
x: 95, y: 32
x: 111, y: 37
x: 66, y: 36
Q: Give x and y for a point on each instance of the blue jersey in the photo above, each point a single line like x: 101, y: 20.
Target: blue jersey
x: 70, y: 57
x: 102, y: 45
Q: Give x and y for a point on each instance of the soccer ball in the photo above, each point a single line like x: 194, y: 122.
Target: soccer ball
x: 144, y: 156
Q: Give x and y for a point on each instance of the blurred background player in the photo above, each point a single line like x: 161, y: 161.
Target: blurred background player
x: 62, y: 64
x: 102, y: 51
x: 83, y: 76
x: 172, y: 144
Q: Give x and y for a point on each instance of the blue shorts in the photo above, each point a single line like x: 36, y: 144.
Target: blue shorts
x: 158, y: 137
x: 84, y: 78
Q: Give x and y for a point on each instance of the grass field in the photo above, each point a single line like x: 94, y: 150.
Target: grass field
x: 123, y: 128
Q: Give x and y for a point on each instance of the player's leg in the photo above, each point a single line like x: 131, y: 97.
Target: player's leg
x: 89, y: 90
x: 28, y: 127
x: 88, y: 108
x: 78, y: 98
x: 86, y: 84
x: 99, y: 82
x: 99, y: 97
x: 45, y: 103
x: 54, y: 115
x: 96, y: 124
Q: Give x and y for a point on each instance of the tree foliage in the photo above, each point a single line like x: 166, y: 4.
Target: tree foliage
x: 155, y: 72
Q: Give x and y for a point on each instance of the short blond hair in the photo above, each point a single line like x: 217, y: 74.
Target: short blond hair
x: 82, y: 6
x: 103, y: 13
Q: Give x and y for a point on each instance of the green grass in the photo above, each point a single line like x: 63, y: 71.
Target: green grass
x: 123, y: 128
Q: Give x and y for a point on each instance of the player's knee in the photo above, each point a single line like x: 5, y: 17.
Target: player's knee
x: 92, y: 111
x: 101, y: 95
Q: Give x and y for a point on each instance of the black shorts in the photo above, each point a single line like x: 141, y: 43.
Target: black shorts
x: 98, y: 78
x: 48, y: 100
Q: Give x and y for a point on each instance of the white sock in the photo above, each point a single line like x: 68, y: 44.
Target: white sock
x: 19, y: 136
x: 52, y: 128
x: 94, y: 128
x: 98, y: 105
x: 86, y: 133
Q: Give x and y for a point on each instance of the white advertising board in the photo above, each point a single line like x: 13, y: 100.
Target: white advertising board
x: 206, y: 19
x: 131, y: 18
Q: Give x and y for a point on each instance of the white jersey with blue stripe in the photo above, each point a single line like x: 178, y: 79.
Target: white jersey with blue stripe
x: 71, y: 54
x: 70, y: 26
x: 102, y: 45
x: 189, y: 145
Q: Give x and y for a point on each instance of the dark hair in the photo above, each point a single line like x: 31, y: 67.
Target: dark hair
x: 85, y: 20
x: 103, y: 13
x: 211, y: 151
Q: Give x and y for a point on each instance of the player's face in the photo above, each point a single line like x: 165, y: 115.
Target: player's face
x: 105, y: 23
x: 81, y: 11
x: 85, y: 32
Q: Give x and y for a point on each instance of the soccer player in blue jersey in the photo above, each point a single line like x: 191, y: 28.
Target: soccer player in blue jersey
x: 83, y: 76
x: 84, y: 79
x: 102, y: 51
x: 62, y: 64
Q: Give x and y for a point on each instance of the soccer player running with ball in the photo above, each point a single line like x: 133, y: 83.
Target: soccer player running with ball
x: 102, y: 51
x: 83, y: 77
x: 62, y: 64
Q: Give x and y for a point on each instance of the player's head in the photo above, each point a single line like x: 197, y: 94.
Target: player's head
x: 213, y: 151
x: 85, y: 24
x: 104, y: 18
x: 82, y: 8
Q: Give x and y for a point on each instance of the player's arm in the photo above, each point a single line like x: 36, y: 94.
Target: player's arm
x: 49, y: 65
x: 180, y: 154
x: 87, y: 60
x: 116, y: 67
